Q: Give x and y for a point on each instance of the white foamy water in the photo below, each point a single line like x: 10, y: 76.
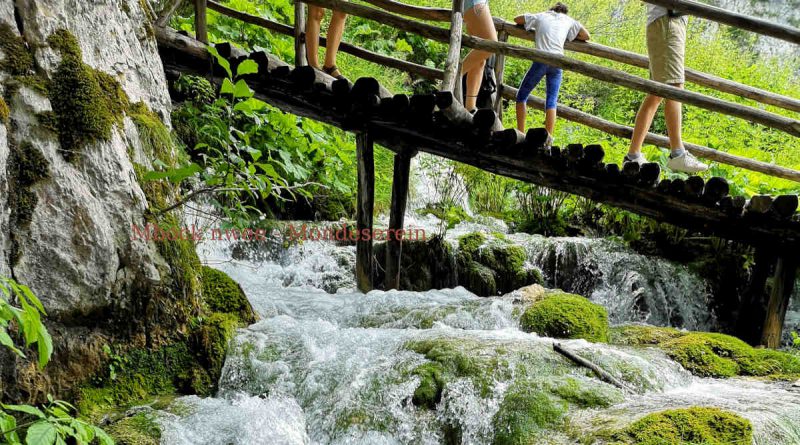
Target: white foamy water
x: 334, y: 368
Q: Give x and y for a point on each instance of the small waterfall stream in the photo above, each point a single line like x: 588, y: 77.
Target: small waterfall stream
x: 327, y: 365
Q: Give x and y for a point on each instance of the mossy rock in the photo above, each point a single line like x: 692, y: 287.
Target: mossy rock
x: 696, y: 425
x: 524, y: 413
x: 139, y: 429
x: 17, y: 59
x: 492, y: 269
x: 87, y: 103
x: 471, y: 243
x: 640, y: 334
x: 211, y: 339
x: 222, y: 294
x: 565, y: 315
x: 719, y: 355
x: 432, y: 381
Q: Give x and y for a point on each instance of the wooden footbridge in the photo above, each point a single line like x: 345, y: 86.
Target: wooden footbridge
x: 438, y: 124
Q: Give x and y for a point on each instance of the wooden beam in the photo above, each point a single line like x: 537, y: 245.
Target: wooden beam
x: 394, y: 244
x: 201, y: 21
x: 753, y: 305
x: 756, y: 25
x: 419, y: 12
x: 782, y: 288
x: 499, y: 73
x: 453, y: 61
x: 624, y: 131
x: 366, y: 203
x: 785, y: 124
x: 299, y: 34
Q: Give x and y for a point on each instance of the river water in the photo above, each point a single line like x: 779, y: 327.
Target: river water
x: 327, y: 365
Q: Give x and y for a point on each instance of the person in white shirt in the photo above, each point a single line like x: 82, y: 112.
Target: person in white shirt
x: 666, y: 46
x: 553, y: 28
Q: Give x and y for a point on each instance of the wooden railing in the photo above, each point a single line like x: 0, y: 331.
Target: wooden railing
x: 783, y: 123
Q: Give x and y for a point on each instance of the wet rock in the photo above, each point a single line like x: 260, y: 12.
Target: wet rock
x: 563, y: 315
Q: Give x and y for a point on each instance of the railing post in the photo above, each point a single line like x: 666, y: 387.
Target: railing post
x: 499, y: 70
x: 365, y: 204
x: 451, y: 68
x: 200, y: 21
x: 299, y: 34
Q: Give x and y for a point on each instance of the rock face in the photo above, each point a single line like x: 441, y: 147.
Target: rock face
x: 65, y: 231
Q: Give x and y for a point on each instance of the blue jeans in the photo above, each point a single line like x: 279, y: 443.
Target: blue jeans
x: 534, y: 76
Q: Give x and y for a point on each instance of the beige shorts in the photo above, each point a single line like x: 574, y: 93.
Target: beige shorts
x: 666, y: 46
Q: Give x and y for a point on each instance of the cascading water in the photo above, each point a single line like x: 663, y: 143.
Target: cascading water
x: 323, y: 368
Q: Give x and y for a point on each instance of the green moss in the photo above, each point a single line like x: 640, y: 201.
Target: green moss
x: 523, y: 414
x: 638, y: 334
x: 212, y: 339
x: 194, y: 89
x: 27, y: 166
x: 87, y: 103
x: 476, y: 277
x: 140, y: 429
x: 453, y: 358
x: 696, y: 425
x: 565, y: 315
x: 222, y: 294
x: 5, y: 113
x: 136, y: 375
x: 572, y: 391
x: 432, y: 381
x: 720, y: 355
x: 33, y: 81
x: 17, y: 59
x: 471, y: 243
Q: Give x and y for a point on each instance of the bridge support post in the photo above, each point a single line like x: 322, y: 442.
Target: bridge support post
x: 201, y: 21
x: 394, y: 243
x: 299, y: 34
x: 366, y: 202
x: 753, y: 307
x: 782, y: 287
x: 499, y: 72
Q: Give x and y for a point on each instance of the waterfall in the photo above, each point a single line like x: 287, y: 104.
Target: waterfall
x: 327, y: 365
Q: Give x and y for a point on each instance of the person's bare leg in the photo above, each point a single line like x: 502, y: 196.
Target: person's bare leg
x: 644, y: 119
x: 479, y: 23
x: 313, y: 24
x: 522, y: 115
x: 674, y: 119
x: 335, y: 32
x: 550, y: 120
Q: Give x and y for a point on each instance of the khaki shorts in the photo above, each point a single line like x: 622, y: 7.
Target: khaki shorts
x: 666, y: 46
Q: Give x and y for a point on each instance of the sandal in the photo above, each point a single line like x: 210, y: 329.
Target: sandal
x: 333, y: 71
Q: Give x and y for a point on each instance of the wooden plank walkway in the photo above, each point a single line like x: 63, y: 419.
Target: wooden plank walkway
x: 438, y: 124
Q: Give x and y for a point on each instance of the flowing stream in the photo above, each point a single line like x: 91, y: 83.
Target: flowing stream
x: 327, y: 365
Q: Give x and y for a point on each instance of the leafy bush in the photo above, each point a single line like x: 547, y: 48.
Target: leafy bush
x: 53, y: 422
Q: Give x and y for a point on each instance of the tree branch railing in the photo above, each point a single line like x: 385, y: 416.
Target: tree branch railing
x: 719, y: 15
x: 594, y: 49
x: 785, y: 124
x: 602, y: 73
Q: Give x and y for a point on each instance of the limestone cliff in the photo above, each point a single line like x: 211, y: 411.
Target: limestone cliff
x: 87, y: 104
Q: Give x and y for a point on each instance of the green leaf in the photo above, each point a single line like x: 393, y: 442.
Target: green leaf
x: 241, y: 90
x: 102, y: 437
x: 178, y: 175
x: 220, y: 60
x: 227, y: 87
x: 8, y: 423
x: 27, y: 409
x: 41, y: 433
x: 247, y: 67
x: 5, y: 340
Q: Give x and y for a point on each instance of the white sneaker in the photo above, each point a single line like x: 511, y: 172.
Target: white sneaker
x: 686, y: 163
x: 641, y: 160
x: 549, y: 142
